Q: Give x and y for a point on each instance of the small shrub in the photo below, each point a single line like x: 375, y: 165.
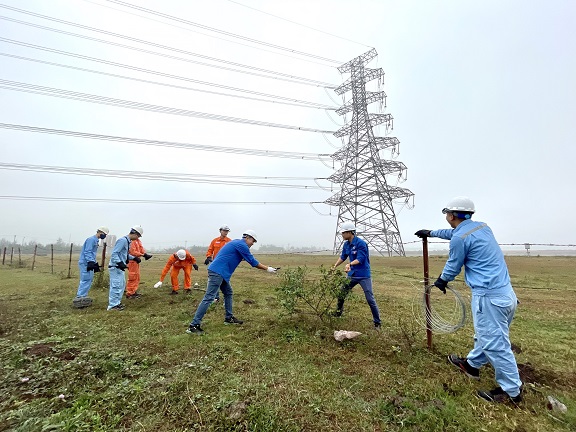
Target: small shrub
x: 301, y: 292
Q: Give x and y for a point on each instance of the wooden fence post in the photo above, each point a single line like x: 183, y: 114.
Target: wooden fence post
x: 70, y: 261
x: 4, y: 256
x: 52, y: 257
x: 34, y: 257
x: 11, y: 254
x: 19, y: 257
x: 103, y: 255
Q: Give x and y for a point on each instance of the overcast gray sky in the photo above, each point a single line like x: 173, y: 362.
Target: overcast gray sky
x: 482, y: 95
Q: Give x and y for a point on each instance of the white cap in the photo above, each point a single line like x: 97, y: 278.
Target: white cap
x: 104, y: 229
x: 181, y: 254
x: 138, y: 229
x: 459, y: 204
x: 250, y: 233
x: 225, y: 228
x: 347, y: 226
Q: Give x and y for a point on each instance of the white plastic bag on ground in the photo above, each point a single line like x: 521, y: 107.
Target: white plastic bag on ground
x: 340, y: 335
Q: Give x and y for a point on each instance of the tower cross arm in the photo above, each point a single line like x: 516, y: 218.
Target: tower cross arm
x: 370, y: 97
x: 362, y: 59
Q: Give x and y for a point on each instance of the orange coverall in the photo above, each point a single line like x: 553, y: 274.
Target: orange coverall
x: 176, y: 265
x: 215, y: 246
x: 136, y: 250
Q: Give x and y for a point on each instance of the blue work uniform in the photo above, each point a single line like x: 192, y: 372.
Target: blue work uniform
x: 117, y: 277
x: 472, y: 245
x: 219, y: 274
x: 88, y: 253
x: 357, y: 249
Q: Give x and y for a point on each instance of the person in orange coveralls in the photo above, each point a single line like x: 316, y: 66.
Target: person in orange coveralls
x: 215, y: 246
x: 180, y: 260
x: 135, y: 254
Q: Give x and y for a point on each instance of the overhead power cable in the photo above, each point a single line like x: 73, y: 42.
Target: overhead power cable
x: 223, y: 32
x: 147, y: 201
x: 279, y: 99
x: 162, y: 176
x: 186, y: 146
x: 263, y: 72
x: 299, y: 24
x: 209, y: 35
x: 85, y: 97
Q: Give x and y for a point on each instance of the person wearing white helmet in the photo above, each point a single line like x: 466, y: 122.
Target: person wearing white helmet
x: 219, y: 273
x: 135, y: 255
x: 472, y: 245
x: 356, y: 250
x: 181, y: 260
x: 88, y: 266
x: 117, y: 265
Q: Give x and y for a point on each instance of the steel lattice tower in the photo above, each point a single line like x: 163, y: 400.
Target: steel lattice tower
x: 365, y: 197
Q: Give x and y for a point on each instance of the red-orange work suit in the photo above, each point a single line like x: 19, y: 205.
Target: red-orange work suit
x: 177, y: 265
x: 137, y: 251
x: 215, y: 246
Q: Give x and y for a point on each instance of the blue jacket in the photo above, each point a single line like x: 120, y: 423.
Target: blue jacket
x: 472, y: 245
x: 89, y: 250
x: 230, y: 256
x: 357, y: 249
x: 120, y: 251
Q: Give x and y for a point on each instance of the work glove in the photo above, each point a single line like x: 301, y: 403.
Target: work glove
x: 441, y: 284
x: 423, y: 233
x: 96, y: 268
x: 273, y: 269
x: 147, y: 256
x: 195, y: 266
x: 158, y: 284
x: 208, y: 260
x: 137, y: 260
x: 121, y: 265
x: 91, y: 265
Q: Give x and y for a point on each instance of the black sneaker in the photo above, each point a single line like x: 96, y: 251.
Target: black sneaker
x: 118, y: 307
x: 377, y: 325
x: 500, y: 396
x: 194, y: 329
x: 173, y: 292
x: 336, y: 313
x: 133, y: 296
x: 233, y: 320
x: 465, y: 368
x: 187, y: 291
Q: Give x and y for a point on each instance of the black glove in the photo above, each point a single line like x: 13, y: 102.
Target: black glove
x: 422, y: 233
x: 121, y: 265
x: 147, y: 256
x: 208, y: 260
x: 195, y: 266
x: 91, y: 265
x: 441, y: 284
x: 137, y: 260
x: 97, y: 268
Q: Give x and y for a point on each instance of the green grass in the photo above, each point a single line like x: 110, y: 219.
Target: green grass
x: 138, y: 369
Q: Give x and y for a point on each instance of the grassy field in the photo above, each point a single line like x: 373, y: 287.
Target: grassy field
x: 63, y: 369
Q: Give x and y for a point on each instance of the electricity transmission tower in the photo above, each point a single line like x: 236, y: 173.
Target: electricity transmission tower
x: 365, y: 197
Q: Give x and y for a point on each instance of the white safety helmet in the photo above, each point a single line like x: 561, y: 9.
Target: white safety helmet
x: 459, y: 204
x: 250, y: 233
x: 224, y: 228
x: 138, y: 229
x: 181, y: 254
x: 104, y: 229
x: 347, y: 226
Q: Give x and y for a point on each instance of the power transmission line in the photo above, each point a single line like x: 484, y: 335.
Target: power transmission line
x: 148, y: 201
x: 299, y: 24
x: 161, y: 176
x: 280, y: 99
x: 85, y: 97
x: 209, y: 35
x: 186, y: 146
x: 234, y: 35
x: 271, y: 74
